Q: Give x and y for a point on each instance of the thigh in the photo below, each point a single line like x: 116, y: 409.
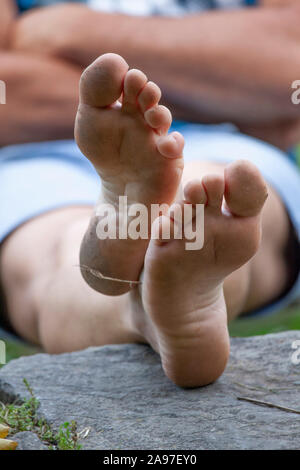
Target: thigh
x: 29, y: 255
x: 42, y: 187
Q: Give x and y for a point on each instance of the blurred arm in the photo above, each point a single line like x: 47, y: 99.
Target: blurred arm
x: 7, y: 16
x: 41, y: 93
x: 41, y: 98
x: 218, y: 66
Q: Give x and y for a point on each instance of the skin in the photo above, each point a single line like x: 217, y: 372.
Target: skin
x: 35, y: 290
x: 42, y: 92
x: 35, y: 110
x: 8, y: 11
x: 257, y: 103
x: 230, y: 78
x: 159, y: 165
x: 185, y: 321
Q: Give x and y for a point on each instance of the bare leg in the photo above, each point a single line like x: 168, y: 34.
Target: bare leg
x: 50, y: 304
x: 181, y: 308
x: 133, y: 153
x: 248, y: 288
x: 48, y: 301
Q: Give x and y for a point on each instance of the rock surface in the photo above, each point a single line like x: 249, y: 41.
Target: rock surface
x: 122, y: 396
x: 28, y: 441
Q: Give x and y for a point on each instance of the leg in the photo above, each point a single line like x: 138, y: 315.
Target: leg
x: 180, y: 309
x: 50, y: 304
x: 134, y: 156
x: 188, y: 297
x: 48, y: 301
x: 248, y: 288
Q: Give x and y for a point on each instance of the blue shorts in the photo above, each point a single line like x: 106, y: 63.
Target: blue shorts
x: 40, y: 177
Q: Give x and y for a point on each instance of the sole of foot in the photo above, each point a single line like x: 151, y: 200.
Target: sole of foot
x: 184, y: 311
x: 121, y: 128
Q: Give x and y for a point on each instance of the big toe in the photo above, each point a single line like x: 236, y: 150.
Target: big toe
x: 101, y: 83
x: 245, y: 189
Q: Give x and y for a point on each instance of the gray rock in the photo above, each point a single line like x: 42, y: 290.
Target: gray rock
x: 121, y: 395
x: 28, y: 441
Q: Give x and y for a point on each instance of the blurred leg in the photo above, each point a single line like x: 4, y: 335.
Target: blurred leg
x: 50, y: 304
x: 48, y: 301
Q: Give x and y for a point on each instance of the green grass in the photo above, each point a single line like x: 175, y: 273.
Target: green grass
x: 288, y: 319
x: 297, y: 153
x: 16, y: 349
x: 24, y: 417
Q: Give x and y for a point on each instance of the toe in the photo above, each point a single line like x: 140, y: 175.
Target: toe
x: 214, y: 187
x: 134, y: 82
x: 245, y: 189
x: 159, y: 117
x: 161, y: 229
x: 194, y: 192
x: 171, y: 145
x: 101, y: 83
x: 149, y: 96
x: 185, y: 211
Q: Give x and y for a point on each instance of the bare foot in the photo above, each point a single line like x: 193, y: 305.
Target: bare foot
x: 133, y: 153
x: 184, y: 313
